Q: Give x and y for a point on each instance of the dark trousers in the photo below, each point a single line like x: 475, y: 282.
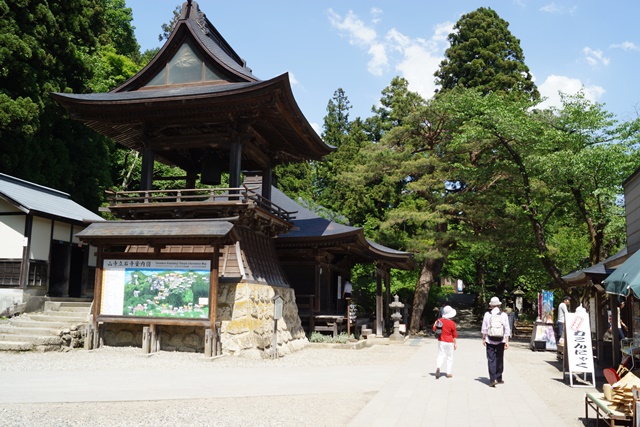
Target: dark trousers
x: 495, y: 359
x: 560, y: 330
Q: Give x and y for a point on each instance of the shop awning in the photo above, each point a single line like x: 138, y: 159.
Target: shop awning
x: 626, y: 278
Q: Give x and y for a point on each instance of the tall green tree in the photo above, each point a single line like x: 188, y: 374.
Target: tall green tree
x: 46, y: 47
x: 336, y: 133
x: 545, y: 167
x: 484, y: 55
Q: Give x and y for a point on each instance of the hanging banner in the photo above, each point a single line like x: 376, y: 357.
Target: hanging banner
x: 547, y: 307
x: 578, y: 349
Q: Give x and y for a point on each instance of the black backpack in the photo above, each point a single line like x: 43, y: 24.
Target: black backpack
x: 438, y: 329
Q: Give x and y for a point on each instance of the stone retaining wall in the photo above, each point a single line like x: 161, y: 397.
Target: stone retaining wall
x: 245, y: 311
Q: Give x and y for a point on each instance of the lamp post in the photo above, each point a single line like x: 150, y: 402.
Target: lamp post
x: 396, y: 316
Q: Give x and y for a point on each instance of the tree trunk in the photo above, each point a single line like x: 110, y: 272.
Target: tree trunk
x: 430, y: 268
x: 481, y: 283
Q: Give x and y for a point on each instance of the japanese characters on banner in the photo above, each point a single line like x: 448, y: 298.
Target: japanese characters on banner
x: 578, y: 342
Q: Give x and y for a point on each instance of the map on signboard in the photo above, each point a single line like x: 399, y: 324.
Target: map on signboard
x: 156, y: 289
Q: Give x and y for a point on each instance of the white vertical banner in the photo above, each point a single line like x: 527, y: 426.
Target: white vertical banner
x: 578, y: 348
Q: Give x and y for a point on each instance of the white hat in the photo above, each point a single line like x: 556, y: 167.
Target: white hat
x: 494, y: 302
x: 448, y: 312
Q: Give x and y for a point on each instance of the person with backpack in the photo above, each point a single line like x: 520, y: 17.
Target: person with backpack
x: 446, y: 333
x: 495, y: 337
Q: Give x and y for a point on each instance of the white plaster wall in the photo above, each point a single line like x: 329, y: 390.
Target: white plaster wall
x: 76, y: 230
x: 11, y: 236
x: 61, y: 231
x: 6, y: 207
x: 9, y: 297
x: 40, y: 239
x: 93, y: 256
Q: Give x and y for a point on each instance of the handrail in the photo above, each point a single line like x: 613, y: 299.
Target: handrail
x: 266, y: 204
x: 244, y: 195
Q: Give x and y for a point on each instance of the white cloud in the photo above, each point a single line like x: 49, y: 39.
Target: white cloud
x: 550, y: 8
x: 362, y: 36
x: 627, y: 45
x: 375, y: 14
x: 551, y: 87
x: 293, y: 79
x: 315, y: 126
x: 378, y: 62
x: 415, y: 59
x: 558, y: 9
x: 358, y: 32
x: 595, y: 57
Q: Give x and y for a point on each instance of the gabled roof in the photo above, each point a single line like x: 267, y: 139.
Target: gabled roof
x: 193, y: 25
x: 596, y: 273
x: 167, y: 232
x: 314, y: 231
x: 43, y: 201
x: 197, y: 98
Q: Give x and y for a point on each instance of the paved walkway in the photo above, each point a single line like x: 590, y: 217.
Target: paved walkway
x: 407, y: 394
x: 413, y: 397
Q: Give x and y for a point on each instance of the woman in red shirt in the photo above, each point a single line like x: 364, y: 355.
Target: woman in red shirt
x: 446, y: 341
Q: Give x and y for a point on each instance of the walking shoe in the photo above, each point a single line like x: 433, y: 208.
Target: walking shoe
x: 500, y: 382
x: 437, y: 373
x: 492, y: 384
x: 449, y: 376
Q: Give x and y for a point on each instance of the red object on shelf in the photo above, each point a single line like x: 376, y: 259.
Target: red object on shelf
x: 611, y: 375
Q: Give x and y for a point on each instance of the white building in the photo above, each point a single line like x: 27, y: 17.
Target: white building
x: 40, y: 255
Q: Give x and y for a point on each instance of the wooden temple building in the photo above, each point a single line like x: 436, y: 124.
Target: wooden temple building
x: 238, y: 260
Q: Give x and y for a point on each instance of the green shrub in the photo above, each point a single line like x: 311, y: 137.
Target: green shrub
x: 317, y: 337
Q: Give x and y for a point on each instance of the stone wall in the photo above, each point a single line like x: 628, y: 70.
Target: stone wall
x: 245, y: 311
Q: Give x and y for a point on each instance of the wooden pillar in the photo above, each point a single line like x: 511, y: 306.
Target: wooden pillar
x: 26, y: 249
x: 387, y: 309
x: 213, y: 294
x: 67, y: 267
x: 615, y: 339
x: 97, y: 297
x: 235, y: 164
x: 191, y: 180
x: 146, y: 174
x: 317, y: 288
x: 379, y: 308
x: 267, y: 181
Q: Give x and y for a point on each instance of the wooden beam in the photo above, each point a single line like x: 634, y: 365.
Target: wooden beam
x: 213, y: 289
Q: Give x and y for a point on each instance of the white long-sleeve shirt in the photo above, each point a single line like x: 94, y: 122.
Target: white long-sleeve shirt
x: 505, y: 323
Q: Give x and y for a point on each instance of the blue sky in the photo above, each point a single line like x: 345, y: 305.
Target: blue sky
x: 360, y: 45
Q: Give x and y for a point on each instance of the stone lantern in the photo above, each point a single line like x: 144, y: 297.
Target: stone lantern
x: 396, y: 306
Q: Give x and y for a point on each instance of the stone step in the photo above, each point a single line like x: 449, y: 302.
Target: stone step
x: 15, y: 346
x: 30, y: 323
x: 35, y: 340
x: 67, y: 306
x: 20, y: 330
x: 64, y: 313
x: 70, y: 319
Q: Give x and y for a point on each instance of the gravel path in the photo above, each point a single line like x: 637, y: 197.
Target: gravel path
x: 306, y: 410
x: 540, y: 370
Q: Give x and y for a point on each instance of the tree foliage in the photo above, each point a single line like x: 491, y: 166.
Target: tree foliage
x: 73, y: 46
x: 484, y: 55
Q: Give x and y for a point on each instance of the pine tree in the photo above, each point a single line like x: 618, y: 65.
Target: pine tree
x: 486, y: 56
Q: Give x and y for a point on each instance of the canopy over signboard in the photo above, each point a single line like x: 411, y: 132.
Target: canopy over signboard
x: 626, y: 278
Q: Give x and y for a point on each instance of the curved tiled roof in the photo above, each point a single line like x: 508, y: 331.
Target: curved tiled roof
x: 308, y: 226
x: 185, y: 122
x: 43, y: 201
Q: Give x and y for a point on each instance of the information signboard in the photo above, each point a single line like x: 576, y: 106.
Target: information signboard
x: 577, y: 346
x: 156, y: 288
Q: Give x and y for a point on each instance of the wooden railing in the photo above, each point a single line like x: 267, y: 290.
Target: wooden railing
x: 204, y: 196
